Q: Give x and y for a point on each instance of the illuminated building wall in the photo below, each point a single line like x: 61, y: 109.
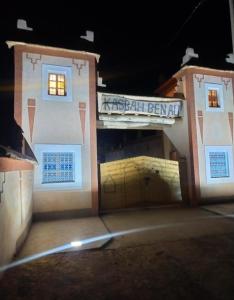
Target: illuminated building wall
x: 139, y: 181
x: 16, y: 176
x: 210, y: 105
x: 55, y: 104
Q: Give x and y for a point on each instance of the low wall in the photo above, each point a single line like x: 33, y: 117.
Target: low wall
x: 16, y: 179
x: 139, y: 181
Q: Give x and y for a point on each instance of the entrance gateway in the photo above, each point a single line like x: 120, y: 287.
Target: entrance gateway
x: 138, y: 162
x: 60, y: 127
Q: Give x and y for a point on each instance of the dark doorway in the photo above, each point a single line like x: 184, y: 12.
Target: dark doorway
x: 115, y: 144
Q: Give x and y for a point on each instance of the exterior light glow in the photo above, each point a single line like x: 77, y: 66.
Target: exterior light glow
x: 76, y: 244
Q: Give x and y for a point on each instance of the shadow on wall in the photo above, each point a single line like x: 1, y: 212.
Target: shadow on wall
x: 148, y: 189
x: 139, y: 181
x: 156, y: 189
x: 136, y: 191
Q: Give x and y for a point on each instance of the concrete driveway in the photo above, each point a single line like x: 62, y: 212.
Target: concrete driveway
x: 129, y: 228
x: 47, y: 235
x: 165, y: 224
x: 185, y: 254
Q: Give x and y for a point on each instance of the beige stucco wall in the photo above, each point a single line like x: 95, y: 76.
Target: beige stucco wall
x: 15, y: 211
x: 137, y: 181
x: 54, y: 118
x: 178, y: 132
x: 179, y: 137
x: 58, y: 123
x: 216, y: 132
x: 44, y: 201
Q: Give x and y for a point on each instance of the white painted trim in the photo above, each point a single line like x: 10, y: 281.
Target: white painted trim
x: 219, y: 89
x: 67, y: 71
x: 229, y: 151
x: 179, y: 73
x: 11, y: 44
x: 75, y: 149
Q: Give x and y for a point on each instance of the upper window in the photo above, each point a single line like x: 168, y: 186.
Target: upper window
x: 219, y: 164
x: 56, y: 83
x: 214, y: 97
x: 59, y: 166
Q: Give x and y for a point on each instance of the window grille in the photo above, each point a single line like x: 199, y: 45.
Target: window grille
x: 219, y: 166
x: 58, y: 167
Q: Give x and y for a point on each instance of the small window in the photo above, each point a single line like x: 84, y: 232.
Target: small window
x: 219, y: 164
x: 58, y: 167
x: 214, y: 97
x: 56, y: 83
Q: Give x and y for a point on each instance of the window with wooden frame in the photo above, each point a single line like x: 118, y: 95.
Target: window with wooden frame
x: 214, y: 97
x: 56, y: 84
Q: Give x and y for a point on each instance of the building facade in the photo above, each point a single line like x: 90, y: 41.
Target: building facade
x: 55, y: 105
x: 210, y: 105
x: 59, y: 110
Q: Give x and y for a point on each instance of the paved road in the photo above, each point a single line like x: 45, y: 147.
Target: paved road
x: 188, y: 255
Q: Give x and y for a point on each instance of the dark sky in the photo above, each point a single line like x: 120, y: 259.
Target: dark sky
x: 140, y: 44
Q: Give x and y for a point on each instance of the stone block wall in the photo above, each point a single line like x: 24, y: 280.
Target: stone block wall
x: 139, y: 181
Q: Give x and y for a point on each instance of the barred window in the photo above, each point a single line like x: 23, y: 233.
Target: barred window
x: 219, y: 165
x: 58, y: 167
x: 57, y: 84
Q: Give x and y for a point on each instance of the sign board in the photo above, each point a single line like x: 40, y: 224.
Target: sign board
x: 119, y: 104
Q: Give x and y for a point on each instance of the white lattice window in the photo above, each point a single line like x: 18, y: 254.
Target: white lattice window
x: 59, y: 166
x: 56, y: 83
x: 219, y: 164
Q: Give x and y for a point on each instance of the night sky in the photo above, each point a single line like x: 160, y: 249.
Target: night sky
x: 140, y: 45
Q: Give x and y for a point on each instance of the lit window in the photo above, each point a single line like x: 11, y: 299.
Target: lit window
x: 214, y: 97
x: 219, y: 164
x: 59, y: 167
x: 56, y: 83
